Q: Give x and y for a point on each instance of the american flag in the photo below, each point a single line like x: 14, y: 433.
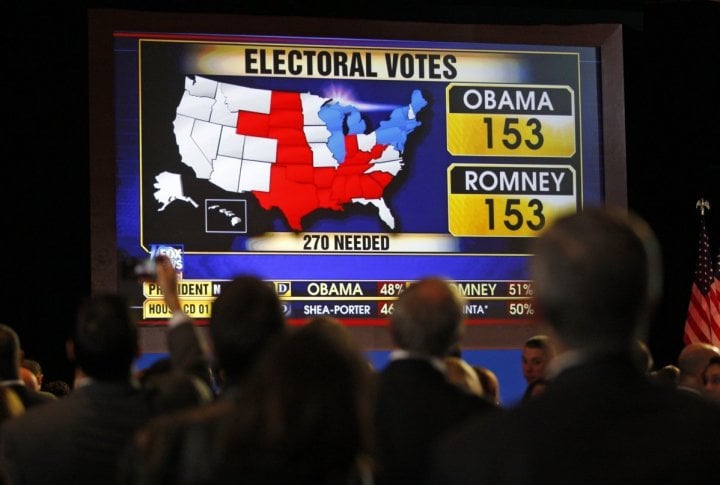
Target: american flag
x: 703, y: 318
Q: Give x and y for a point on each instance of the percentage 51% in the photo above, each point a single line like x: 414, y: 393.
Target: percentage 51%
x: 520, y: 289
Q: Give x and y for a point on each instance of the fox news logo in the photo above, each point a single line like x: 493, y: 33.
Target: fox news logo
x: 173, y: 252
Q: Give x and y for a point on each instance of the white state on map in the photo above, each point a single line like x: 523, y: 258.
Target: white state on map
x: 390, y: 161
x: 195, y: 107
x: 170, y: 188
x: 190, y: 152
x: 234, y: 220
x: 226, y: 173
x: 241, y: 98
x: 232, y: 217
x: 213, y: 149
x: 322, y: 156
x: 366, y: 141
x: 316, y: 134
x: 311, y: 104
x: 221, y: 114
x: 231, y: 144
x: 236, y: 175
x: 383, y: 210
x: 254, y: 176
x: 260, y: 149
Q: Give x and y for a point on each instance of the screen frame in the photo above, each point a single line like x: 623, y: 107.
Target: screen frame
x: 607, y: 38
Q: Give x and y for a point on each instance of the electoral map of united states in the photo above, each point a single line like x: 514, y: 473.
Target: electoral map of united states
x: 298, y: 152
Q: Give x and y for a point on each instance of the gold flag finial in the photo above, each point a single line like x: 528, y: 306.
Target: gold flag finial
x: 703, y: 205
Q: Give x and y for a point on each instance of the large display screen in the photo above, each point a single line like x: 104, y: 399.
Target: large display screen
x: 341, y: 165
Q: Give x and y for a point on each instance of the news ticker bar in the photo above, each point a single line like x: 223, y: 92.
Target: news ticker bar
x: 348, y: 299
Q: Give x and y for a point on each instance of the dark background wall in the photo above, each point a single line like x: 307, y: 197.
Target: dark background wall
x: 672, y: 97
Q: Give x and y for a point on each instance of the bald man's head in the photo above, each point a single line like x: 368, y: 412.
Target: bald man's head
x: 694, y: 357
x: 427, y: 318
x: 692, y: 360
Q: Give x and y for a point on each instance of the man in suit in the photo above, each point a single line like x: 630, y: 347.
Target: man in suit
x: 416, y: 403
x: 10, y: 359
x: 597, y: 275
x: 79, y: 439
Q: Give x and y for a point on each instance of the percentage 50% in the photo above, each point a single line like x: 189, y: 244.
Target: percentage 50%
x: 521, y: 309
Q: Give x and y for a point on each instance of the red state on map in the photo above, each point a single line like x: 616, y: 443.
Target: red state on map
x: 296, y: 187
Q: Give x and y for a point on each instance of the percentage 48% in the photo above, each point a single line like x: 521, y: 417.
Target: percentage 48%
x: 391, y: 289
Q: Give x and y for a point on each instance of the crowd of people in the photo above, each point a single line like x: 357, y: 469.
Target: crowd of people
x: 258, y: 401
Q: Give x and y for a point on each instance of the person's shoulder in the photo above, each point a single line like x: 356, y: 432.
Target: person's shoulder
x: 174, y: 430
x: 482, y: 402
x: 410, y: 367
x: 196, y: 416
x: 693, y: 405
x: 496, y: 424
x: 175, y: 391
x: 44, y: 396
x: 35, y: 417
x: 404, y: 370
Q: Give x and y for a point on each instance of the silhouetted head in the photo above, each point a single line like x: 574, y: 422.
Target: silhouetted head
x: 105, y: 340
x: 245, y: 317
x: 666, y: 376
x: 304, y: 413
x: 643, y: 356
x: 597, y: 277
x: 9, y: 353
x: 57, y: 387
x: 29, y: 379
x: 427, y: 318
x: 34, y: 367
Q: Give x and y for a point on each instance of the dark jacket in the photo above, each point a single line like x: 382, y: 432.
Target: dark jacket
x: 416, y: 404
x: 598, y: 422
